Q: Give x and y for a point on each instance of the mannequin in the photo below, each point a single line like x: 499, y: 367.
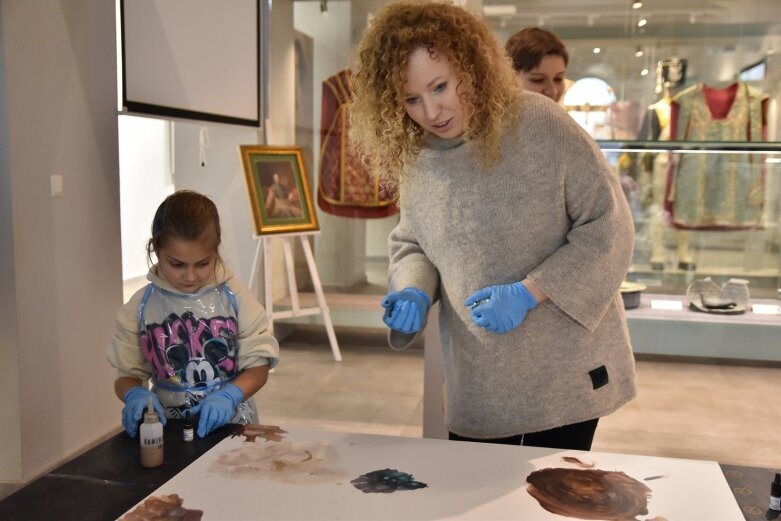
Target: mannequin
x: 657, y: 128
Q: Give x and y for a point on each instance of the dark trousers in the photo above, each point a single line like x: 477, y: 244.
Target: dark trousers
x: 576, y: 436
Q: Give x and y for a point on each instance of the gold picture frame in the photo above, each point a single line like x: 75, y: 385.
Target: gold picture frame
x: 278, y: 188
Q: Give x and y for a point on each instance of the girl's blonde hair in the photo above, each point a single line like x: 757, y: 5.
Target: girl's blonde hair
x: 380, y: 129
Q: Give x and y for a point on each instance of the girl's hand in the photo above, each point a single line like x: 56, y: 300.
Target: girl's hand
x: 136, y: 401
x: 218, y: 408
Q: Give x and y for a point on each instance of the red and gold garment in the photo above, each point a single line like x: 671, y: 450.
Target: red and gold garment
x: 717, y: 191
x: 344, y: 187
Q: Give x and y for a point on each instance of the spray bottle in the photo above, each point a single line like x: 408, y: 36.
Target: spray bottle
x: 151, y: 438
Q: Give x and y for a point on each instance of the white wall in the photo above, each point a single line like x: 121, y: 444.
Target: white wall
x: 59, y: 118
x: 146, y: 178
x: 10, y: 427
x: 339, y: 251
x: 222, y: 179
x: 377, y: 232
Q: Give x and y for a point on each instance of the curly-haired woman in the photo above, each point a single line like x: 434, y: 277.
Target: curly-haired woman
x: 510, y: 217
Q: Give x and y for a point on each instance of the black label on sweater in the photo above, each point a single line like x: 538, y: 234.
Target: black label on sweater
x: 599, y: 377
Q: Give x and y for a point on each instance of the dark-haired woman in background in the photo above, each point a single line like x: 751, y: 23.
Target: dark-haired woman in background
x: 540, y: 59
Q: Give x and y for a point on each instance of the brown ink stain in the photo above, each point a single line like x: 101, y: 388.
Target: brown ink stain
x: 163, y: 508
x: 578, y: 462
x: 286, y: 462
x: 589, y: 494
x: 253, y: 430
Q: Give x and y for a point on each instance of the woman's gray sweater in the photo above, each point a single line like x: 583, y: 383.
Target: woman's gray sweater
x: 552, y: 211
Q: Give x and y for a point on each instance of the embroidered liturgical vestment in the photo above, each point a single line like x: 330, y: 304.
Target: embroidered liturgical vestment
x: 344, y: 187
x: 717, y: 191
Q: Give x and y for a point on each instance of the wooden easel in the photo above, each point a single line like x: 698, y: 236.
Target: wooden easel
x: 264, y: 242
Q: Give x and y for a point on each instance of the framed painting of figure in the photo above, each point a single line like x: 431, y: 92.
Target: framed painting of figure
x: 278, y: 188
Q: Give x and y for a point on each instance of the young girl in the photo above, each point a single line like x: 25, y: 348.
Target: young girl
x: 195, y: 331
x: 510, y: 217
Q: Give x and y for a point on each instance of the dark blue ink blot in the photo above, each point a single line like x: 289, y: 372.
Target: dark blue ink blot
x: 386, y: 481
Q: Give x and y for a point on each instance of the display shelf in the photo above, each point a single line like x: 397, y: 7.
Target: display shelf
x: 606, y: 145
x: 763, y: 283
x: 749, y: 336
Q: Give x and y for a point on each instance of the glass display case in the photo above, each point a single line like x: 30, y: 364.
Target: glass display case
x: 682, y: 99
x: 702, y: 210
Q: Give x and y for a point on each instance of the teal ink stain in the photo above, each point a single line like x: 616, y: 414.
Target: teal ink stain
x: 386, y: 481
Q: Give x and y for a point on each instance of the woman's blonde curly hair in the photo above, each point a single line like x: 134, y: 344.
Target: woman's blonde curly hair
x: 380, y: 129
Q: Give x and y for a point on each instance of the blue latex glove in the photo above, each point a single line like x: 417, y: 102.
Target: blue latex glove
x: 501, y: 308
x: 136, y: 400
x: 405, y: 310
x: 218, y: 408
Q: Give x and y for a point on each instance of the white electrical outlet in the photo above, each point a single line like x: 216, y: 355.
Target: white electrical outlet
x: 55, y: 185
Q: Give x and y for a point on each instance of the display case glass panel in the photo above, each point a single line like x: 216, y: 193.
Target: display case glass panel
x: 702, y: 211
x: 651, y: 52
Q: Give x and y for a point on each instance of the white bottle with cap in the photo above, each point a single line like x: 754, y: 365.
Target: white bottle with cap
x: 151, y: 438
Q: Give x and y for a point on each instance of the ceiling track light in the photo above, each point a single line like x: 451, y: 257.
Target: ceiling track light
x: 637, y: 5
x: 641, y: 22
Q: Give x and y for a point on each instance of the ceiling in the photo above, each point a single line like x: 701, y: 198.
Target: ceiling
x: 717, y: 37
x: 620, y: 14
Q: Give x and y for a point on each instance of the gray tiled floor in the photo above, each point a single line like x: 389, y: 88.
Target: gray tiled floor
x: 729, y: 414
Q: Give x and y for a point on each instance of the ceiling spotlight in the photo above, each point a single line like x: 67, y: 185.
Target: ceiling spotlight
x: 637, y: 5
x: 639, y: 52
x: 641, y: 22
x: 597, y: 50
x: 644, y: 72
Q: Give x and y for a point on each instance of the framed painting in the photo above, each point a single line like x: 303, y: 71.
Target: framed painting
x: 278, y: 188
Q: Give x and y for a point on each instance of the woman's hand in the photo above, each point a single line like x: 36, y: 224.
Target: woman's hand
x: 405, y: 310
x: 501, y: 308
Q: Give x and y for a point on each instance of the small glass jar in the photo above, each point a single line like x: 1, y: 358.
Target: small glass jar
x: 187, y: 432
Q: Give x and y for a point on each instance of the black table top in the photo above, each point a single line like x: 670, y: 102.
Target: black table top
x: 108, y: 480
x: 751, y: 488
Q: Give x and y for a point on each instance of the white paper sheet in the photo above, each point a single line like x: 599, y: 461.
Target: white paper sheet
x: 307, y: 476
